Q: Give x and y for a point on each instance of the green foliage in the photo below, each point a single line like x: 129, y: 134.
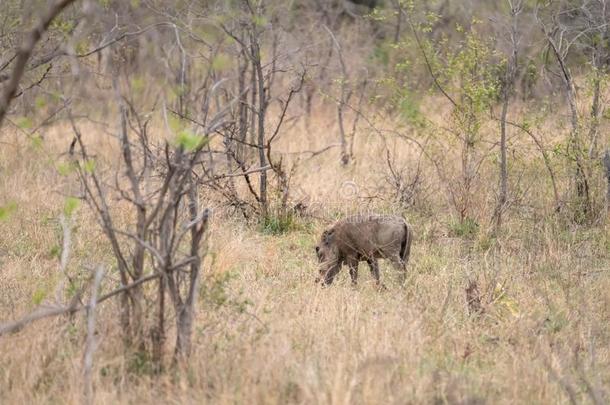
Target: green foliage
x: 7, y: 210
x: 279, y: 224
x: 209, y: 32
x: 221, y: 62
x: 55, y: 252
x: 175, y: 124
x: 472, y: 76
x: 259, y: 20
x: 24, y: 123
x: 503, y: 303
x: 485, y: 242
x: 467, y: 228
x: 138, y: 83
x: 431, y: 262
x: 65, y: 168
x: 89, y: 166
x: 56, y: 96
x: 82, y: 47
x: 184, y: 137
x: 36, y: 141
x: 72, y: 289
x: 531, y: 73
x: 381, y: 55
x: 62, y: 25
x: 189, y: 141
x: 70, y: 205
x: 40, y: 102
x: 215, y: 293
x: 141, y: 363
x: 39, y: 294
x: 409, y: 109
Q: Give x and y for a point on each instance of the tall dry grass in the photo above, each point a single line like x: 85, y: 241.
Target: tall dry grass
x: 266, y: 334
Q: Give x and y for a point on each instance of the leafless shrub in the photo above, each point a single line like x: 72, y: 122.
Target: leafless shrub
x: 473, y: 298
x: 405, y: 184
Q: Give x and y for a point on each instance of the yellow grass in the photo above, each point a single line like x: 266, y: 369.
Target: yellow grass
x: 267, y: 334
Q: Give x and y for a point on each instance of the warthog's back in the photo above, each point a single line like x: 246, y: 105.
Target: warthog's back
x: 364, y: 238
x: 372, y: 235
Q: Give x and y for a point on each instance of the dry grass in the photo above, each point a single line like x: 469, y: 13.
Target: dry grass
x: 266, y: 334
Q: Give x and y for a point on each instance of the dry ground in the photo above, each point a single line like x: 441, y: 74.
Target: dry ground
x: 266, y: 334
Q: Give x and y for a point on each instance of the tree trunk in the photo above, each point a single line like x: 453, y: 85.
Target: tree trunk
x: 595, y: 112
x: 606, y: 162
x: 580, y: 176
x: 398, y: 26
x: 243, y: 111
x: 186, y: 311
x: 506, y: 94
x: 262, y: 108
x: 158, y: 332
x: 503, y: 195
x: 184, y: 331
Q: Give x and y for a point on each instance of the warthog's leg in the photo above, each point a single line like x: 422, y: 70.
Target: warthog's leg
x: 374, y: 266
x: 399, y: 265
x: 331, y: 273
x: 353, y: 270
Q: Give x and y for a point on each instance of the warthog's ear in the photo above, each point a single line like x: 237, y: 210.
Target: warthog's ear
x: 327, y: 236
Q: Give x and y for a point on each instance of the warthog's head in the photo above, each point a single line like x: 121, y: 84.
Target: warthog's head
x: 328, y: 257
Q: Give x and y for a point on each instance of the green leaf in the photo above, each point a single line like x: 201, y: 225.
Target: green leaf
x: 56, y: 96
x: 70, y: 205
x: 55, y: 251
x: 24, y: 123
x: 40, y: 102
x: 82, y: 47
x: 89, y: 166
x: 221, y: 62
x: 190, y: 141
x: 36, y: 141
x: 259, y: 20
x: 38, y: 296
x: 138, y: 83
x: 72, y: 290
x: 65, y: 168
x: 175, y: 124
x: 7, y: 210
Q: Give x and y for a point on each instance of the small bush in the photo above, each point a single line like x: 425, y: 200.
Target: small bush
x: 466, y: 228
x: 279, y: 224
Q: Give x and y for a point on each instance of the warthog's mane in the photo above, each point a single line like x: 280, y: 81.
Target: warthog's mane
x: 360, y: 218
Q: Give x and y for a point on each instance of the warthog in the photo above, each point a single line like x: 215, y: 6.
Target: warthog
x: 364, y: 238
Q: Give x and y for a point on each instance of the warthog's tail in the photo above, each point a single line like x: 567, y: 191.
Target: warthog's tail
x: 405, y: 246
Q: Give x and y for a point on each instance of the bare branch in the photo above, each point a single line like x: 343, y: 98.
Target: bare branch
x: 48, y: 311
x: 25, y: 52
x: 90, y: 344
